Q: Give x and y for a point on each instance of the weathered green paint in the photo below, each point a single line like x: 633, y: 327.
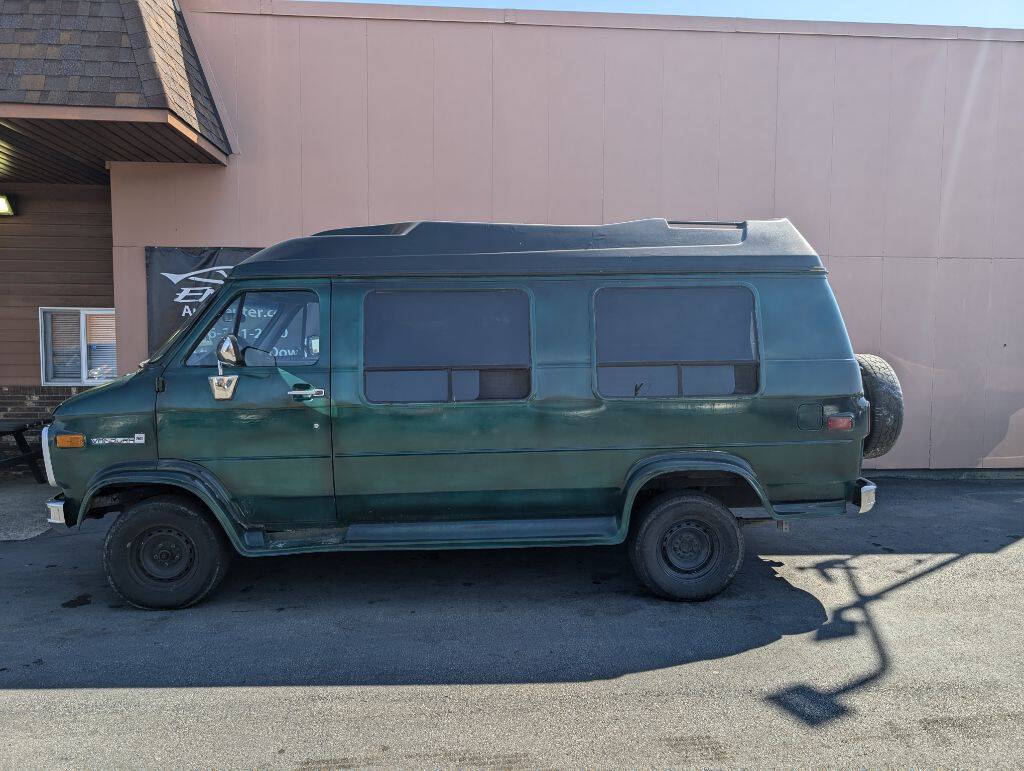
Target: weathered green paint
x: 328, y: 474
x: 187, y: 477
x: 124, y: 407
x: 261, y: 444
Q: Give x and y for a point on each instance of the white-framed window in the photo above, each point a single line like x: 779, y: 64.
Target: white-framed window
x: 77, y: 346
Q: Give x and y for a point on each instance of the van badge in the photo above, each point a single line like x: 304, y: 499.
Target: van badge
x: 137, y: 439
x: 223, y: 386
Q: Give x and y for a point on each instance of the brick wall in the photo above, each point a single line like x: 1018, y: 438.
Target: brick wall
x: 27, y: 403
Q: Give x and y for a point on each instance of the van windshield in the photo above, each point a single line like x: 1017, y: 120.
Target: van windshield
x: 176, y: 334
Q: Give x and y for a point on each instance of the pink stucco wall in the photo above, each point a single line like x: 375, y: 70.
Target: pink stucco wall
x: 898, y: 151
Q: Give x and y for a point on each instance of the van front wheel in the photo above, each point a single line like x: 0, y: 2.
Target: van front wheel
x: 686, y: 546
x: 164, y: 552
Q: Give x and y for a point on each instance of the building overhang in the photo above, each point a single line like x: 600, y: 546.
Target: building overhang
x: 65, y: 144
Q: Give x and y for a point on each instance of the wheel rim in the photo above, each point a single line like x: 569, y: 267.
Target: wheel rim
x: 163, y: 555
x: 689, y: 548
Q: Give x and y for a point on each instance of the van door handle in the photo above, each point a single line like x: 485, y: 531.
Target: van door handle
x: 304, y: 391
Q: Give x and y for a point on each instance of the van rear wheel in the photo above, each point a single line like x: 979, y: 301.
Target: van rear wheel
x: 165, y: 552
x: 686, y: 546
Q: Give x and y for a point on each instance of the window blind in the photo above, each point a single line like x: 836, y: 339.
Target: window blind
x: 101, y: 348
x: 63, y: 346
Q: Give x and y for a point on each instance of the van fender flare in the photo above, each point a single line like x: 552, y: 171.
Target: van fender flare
x: 190, y: 477
x: 650, y: 468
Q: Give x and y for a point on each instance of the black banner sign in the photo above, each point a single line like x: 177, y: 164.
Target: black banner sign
x: 180, y: 279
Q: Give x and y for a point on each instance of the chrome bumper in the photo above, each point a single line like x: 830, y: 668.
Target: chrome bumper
x: 55, y: 506
x: 47, y: 463
x: 864, y: 495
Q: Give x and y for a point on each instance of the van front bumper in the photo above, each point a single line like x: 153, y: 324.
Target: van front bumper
x: 864, y: 495
x: 55, y: 507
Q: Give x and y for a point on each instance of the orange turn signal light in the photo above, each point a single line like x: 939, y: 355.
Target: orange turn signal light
x: 70, y: 440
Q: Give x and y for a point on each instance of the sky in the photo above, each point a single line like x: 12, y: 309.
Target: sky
x: 968, y: 13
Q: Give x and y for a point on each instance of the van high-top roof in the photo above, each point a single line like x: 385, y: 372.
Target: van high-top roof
x: 481, y: 248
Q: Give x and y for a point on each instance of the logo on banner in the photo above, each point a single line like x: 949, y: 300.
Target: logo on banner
x: 196, y: 286
x: 181, y: 280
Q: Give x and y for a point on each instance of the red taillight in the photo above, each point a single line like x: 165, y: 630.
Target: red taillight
x: 839, y: 423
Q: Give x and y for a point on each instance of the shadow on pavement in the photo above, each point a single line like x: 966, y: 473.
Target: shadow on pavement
x: 513, y: 616
x: 954, y: 520
x: 817, y: 707
x: 517, y: 616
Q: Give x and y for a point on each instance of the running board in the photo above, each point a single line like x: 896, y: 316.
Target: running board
x: 554, y: 531
x: 810, y: 509
x: 483, y: 531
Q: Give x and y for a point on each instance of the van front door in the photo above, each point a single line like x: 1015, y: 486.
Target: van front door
x: 269, y: 442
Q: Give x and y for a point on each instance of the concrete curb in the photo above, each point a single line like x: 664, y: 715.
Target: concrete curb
x: 950, y: 474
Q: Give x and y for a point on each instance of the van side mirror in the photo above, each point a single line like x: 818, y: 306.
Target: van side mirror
x: 228, y: 352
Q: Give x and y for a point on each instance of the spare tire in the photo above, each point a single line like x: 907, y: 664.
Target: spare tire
x: 882, y: 389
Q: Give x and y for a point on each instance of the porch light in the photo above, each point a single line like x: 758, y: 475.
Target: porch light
x: 6, y: 209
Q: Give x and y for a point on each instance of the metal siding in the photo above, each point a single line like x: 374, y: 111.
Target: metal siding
x: 44, y: 263
x: 908, y: 136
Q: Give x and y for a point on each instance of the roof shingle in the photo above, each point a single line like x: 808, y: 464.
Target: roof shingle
x: 128, y: 53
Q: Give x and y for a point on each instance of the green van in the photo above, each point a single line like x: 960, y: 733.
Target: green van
x: 440, y: 385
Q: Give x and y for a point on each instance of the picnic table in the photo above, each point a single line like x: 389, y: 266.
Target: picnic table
x: 28, y: 456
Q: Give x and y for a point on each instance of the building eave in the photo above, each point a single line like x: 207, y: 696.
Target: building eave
x: 72, y: 144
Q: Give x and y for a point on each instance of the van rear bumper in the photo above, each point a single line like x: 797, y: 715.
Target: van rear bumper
x: 863, y: 496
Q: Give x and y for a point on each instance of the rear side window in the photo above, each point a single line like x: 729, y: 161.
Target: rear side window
x: 675, y: 341
x: 446, y: 346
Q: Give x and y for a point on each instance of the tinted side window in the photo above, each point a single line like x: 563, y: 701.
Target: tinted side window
x: 285, y: 324
x: 463, y: 345
x: 675, y: 341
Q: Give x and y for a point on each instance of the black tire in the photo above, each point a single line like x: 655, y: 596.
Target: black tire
x: 165, y: 552
x: 686, y: 546
x: 882, y: 389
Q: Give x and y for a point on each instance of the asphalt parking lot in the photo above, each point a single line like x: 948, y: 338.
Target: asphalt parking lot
x: 892, y: 638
